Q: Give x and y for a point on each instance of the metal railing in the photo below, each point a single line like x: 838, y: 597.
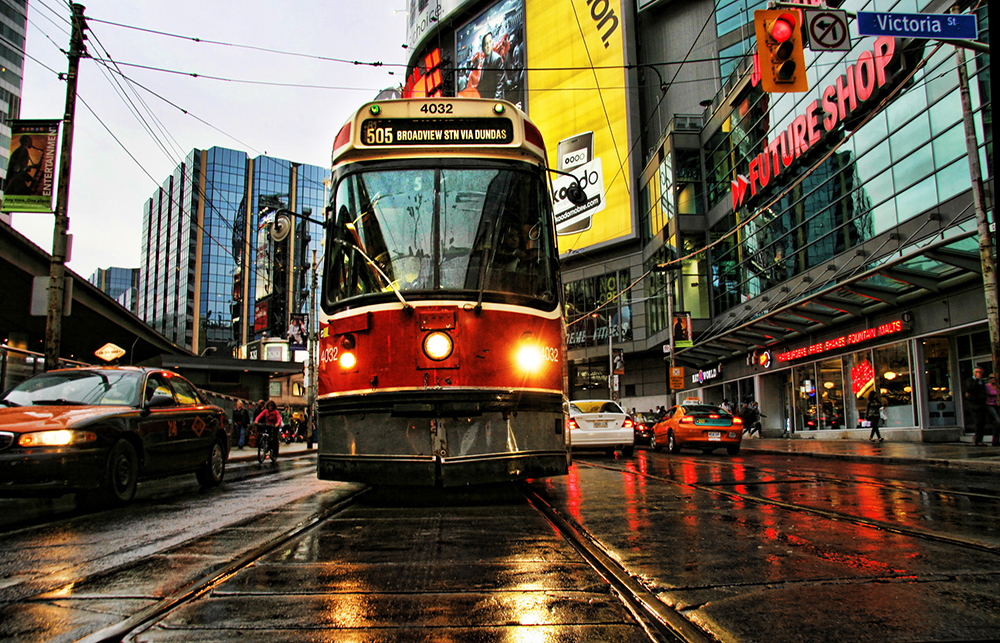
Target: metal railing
x: 17, y: 365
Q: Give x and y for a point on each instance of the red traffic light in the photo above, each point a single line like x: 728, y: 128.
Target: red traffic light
x: 781, y: 29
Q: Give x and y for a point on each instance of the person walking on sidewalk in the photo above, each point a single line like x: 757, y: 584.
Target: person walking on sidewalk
x: 241, y: 422
x: 757, y: 426
x: 873, y: 413
x: 974, y: 391
x: 992, y: 412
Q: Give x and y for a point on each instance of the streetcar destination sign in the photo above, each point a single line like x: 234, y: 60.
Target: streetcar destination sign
x: 939, y: 26
x: 435, y: 131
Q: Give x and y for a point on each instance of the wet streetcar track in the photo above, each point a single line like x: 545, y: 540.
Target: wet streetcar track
x: 422, y: 572
x: 715, y: 487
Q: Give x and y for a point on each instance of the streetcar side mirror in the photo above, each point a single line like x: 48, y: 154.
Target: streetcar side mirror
x: 574, y: 191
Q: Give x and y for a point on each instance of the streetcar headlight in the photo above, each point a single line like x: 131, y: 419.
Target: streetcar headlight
x: 55, y: 438
x: 438, y: 346
x: 348, y: 361
x: 529, y: 358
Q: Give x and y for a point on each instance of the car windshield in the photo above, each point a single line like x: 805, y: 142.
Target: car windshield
x: 108, y: 388
x: 596, y: 406
x: 703, y: 409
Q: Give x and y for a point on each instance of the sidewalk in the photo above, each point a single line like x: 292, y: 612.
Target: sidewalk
x: 247, y: 454
x: 958, y: 455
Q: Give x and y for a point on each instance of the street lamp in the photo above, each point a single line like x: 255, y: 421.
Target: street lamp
x: 611, y: 356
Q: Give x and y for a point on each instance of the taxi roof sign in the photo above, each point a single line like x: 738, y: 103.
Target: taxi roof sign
x: 109, y: 352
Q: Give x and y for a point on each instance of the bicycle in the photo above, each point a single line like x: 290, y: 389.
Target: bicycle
x: 267, y: 442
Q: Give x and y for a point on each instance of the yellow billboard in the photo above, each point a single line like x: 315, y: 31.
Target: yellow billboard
x: 576, y: 81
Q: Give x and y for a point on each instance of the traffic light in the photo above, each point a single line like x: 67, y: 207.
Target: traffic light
x: 779, y: 48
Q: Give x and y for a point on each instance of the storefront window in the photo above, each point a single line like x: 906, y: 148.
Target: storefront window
x: 860, y: 372
x: 892, y: 368
x: 830, y: 393
x: 937, y: 365
x: 804, y: 380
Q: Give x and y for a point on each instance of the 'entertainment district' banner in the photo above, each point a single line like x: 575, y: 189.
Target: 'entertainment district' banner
x: 31, y: 170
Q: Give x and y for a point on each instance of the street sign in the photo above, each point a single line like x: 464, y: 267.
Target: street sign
x: 937, y: 26
x: 677, y: 378
x: 827, y: 30
x: 109, y: 352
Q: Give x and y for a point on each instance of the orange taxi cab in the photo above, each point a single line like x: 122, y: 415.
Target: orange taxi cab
x: 696, y: 425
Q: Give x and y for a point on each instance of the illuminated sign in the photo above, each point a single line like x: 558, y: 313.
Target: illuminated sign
x: 844, y: 341
x: 434, y: 131
x: 425, y: 80
x: 839, y: 100
x: 703, y: 376
x: 862, y: 378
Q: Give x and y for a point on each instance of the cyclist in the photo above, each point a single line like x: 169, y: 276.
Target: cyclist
x: 268, y: 422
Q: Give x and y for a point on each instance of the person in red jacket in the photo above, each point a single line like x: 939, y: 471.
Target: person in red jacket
x: 270, y: 418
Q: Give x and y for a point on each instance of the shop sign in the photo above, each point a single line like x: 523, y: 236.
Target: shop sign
x: 875, y: 332
x: 703, y: 376
x: 840, y: 99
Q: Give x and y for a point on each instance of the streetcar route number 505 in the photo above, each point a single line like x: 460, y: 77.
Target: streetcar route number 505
x: 378, y: 136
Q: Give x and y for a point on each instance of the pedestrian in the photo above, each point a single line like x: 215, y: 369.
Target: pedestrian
x: 974, y: 391
x: 726, y: 406
x: 993, y: 412
x: 757, y: 415
x: 241, y: 422
x: 873, y: 413
x: 750, y: 418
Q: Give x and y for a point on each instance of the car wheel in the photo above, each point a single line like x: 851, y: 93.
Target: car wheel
x: 628, y: 451
x: 733, y: 450
x: 121, y: 475
x: 653, y: 444
x: 672, y: 445
x: 213, y: 470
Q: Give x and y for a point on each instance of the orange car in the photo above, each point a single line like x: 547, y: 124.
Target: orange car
x: 697, y: 426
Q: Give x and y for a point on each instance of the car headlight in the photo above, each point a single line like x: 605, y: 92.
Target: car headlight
x: 438, y: 346
x: 60, y: 438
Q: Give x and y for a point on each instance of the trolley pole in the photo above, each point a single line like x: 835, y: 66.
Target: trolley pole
x: 60, y: 236
x: 313, y: 346
x: 982, y: 221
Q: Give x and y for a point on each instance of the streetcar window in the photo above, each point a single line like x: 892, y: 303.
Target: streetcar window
x: 473, y: 229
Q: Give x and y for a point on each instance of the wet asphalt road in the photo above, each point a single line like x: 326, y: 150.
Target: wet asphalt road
x: 751, y: 548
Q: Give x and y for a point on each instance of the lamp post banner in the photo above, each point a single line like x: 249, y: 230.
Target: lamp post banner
x: 31, y: 170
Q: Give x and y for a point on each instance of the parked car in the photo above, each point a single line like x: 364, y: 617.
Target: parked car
x: 644, y: 423
x: 698, y: 426
x: 600, y: 425
x: 98, y: 431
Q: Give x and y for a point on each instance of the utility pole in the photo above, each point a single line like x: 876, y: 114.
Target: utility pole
x: 982, y: 222
x: 313, y: 347
x: 60, y: 236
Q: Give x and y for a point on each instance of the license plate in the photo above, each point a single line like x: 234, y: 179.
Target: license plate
x: 600, y: 424
x: 714, y: 435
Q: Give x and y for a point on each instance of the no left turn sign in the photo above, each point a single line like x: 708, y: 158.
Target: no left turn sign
x: 827, y: 30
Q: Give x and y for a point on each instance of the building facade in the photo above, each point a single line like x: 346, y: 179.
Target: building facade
x: 210, y: 274
x: 121, y: 284
x: 13, y: 27
x: 800, y: 249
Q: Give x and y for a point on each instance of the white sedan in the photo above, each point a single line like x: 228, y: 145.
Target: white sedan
x: 600, y: 425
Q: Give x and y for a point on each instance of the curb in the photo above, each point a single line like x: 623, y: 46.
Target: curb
x: 970, y: 464
x: 252, y: 456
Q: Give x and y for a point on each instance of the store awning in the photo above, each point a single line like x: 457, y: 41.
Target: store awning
x: 852, y: 290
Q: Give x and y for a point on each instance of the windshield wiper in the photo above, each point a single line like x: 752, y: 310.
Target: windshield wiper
x: 58, y: 402
x: 9, y: 403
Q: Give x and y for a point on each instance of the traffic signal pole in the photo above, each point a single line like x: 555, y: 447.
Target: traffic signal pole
x: 60, y: 236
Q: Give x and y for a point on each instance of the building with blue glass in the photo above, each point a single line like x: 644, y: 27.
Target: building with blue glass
x: 13, y: 26
x: 121, y: 284
x: 816, y: 246
x: 210, y: 274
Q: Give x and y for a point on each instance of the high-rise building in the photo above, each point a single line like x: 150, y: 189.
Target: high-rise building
x: 802, y: 249
x: 121, y: 284
x: 13, y: 22
x: 210, y: 275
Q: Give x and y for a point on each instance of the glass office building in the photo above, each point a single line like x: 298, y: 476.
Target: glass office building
x: 13, y: 26
x: 209, y: 268
x: 121, y: 284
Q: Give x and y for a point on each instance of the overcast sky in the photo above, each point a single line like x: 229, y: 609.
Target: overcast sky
x: 108, y: 188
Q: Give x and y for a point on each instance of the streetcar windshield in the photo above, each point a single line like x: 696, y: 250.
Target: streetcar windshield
x: 483, y: 230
